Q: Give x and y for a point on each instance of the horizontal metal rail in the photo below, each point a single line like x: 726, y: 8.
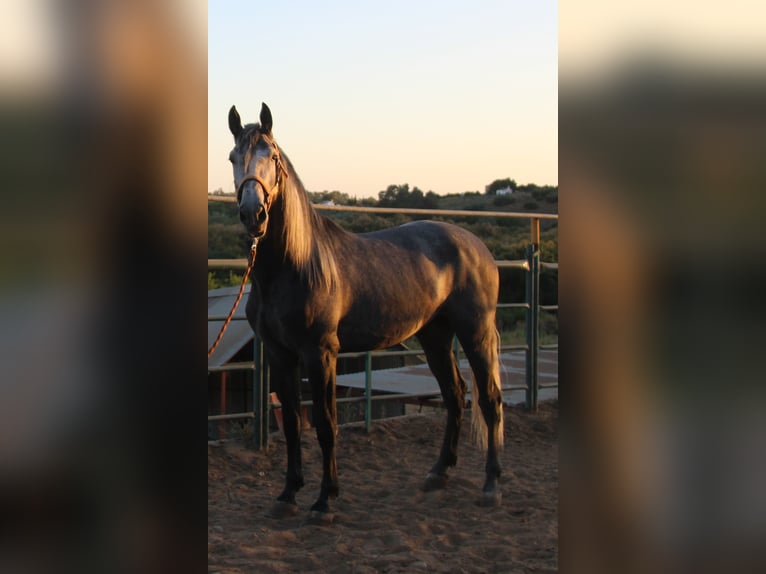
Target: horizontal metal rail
x: 227, y: 263
x: 232, y: 367
x: 512, y: 264
x: 249, y: 365
x: 376, y: 354
x: 409, y: 210
x: 359, y: 355
x: 232, y: 416
x: 513, y: 305
x: 513, y: 348
x: 447, y: 212
x: 548, y: 385
x: 396, y: 396
x: 242, y: 264
x: 222, y: 198
x: 363, y: 398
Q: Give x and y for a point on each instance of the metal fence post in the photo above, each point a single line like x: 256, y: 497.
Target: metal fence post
x: 260, y: 396
x: 265, y: 401
x: 533, y: 313
x: 368, y: 391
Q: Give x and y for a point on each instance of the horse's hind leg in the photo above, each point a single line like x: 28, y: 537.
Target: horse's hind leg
x: 480, y: 347
x: 436, y: 339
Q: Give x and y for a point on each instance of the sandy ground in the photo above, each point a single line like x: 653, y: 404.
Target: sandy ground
x: 383, y: 521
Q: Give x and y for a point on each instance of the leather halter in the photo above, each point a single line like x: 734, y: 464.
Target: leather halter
x: 280, y: 168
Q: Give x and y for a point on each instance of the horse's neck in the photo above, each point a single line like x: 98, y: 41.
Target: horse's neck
x: 271, y: 251
x: 300, y: 245
x: 274, y: 250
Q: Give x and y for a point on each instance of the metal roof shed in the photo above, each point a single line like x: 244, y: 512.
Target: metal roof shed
x: 238, y: 334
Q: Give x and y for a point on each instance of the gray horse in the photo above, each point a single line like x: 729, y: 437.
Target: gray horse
x: 319, y: 290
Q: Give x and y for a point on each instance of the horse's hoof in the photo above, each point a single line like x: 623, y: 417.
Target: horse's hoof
x: 283, y: 509
x: 320, y: 518
x: 492, y: 498
x: 434, y: 482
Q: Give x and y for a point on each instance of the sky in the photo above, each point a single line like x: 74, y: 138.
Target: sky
x: 443, y: 95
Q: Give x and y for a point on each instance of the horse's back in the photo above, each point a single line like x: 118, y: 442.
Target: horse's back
x: 440, y: 240
x: 448, y: 247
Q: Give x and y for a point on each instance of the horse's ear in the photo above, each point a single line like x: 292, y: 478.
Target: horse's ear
x: 266, y: 122
x: 235, y: 123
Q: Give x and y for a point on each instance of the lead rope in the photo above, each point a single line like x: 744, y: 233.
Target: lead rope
x: 239, y: 297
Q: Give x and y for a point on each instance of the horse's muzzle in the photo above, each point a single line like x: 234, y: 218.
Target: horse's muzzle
x: 255, y: 221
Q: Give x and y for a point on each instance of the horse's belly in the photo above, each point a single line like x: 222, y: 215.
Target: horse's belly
x: 378, y: 332
x: 391, y: 307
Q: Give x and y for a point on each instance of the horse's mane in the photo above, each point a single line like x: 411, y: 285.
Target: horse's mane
x: 308, y: 237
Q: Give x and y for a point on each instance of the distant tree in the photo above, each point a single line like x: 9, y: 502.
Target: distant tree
x: 431, y: 200
x: 403, y: 196
x: 392, y: 194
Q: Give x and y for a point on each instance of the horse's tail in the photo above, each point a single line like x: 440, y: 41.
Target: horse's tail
x: 478, y: 424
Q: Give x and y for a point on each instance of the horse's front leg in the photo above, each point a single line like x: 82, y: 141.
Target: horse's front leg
x: 320, y: 365
x: 285, y: 378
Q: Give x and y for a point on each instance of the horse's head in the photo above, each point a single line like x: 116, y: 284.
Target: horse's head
x: 258, y: 170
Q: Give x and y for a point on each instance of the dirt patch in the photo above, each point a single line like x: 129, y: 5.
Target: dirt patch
x: 383, y: 522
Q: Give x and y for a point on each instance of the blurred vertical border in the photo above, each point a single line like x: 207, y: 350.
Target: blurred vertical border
x: 662, y: 117
x: 102, y: 236
x: 103, y: 142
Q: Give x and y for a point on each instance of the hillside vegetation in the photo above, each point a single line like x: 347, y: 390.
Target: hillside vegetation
x: 506, y: 238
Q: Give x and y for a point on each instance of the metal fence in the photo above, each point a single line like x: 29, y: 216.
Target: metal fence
x: 531, y: 264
